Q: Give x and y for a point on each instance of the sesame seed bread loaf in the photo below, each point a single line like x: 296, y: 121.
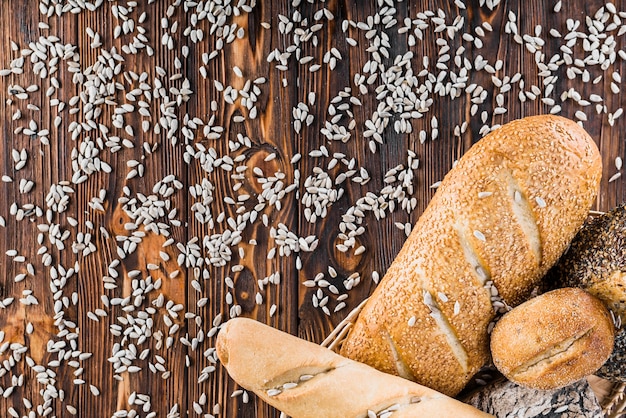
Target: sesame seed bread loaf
x: 498, y: 221
x: 305, y: 380
x: 553, y: 340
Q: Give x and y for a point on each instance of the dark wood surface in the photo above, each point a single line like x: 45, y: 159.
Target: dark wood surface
x: 170, y: 372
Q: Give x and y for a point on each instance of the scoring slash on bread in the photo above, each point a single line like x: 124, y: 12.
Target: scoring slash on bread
x: 305, y: 380
x: 596, y: 262
x: 498, y: 221
x: 553, y: 340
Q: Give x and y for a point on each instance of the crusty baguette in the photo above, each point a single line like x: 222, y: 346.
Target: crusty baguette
x: 553, y: 340
x: 502, y: 216
x: 305, y: 380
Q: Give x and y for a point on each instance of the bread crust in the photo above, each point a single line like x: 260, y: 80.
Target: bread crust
x: 553, y: 340
x: 264, y: 360
x: 502, y: 216
x: 596, y: 260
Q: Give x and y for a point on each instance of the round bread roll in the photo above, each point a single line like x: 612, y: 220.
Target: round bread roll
x: 553, y: 340
x: 596, y: 262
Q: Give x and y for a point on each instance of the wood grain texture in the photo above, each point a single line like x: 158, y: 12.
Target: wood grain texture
x: 185, y: 377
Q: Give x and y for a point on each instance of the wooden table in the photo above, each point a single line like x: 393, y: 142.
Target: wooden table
x: 113, y: 138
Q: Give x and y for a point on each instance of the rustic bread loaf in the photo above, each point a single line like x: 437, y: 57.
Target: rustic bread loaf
x: 553, y: 340
x: 498, y: 221
x: 305, y: 380
x: 507, y: 399
x: 596, y: 260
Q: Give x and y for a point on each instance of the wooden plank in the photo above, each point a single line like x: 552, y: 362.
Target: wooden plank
x: 23, y: 233
x: 164, y: 366
x: 266, y: 134
x: 217, y: 277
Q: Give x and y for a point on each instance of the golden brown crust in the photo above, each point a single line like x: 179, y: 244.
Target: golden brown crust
x: 553, y: 340
x: 504, y: 214
x: 305, y: 380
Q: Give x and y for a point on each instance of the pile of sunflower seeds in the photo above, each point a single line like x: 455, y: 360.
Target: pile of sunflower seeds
x: 113, y: 120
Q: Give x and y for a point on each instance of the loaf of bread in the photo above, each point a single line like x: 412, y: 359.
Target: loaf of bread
x: 614, y: 369
x: 596, y: 261
x: 553, y: 340
x: 305, y: 380
x: 498, y: 221
x: 504, y: 398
